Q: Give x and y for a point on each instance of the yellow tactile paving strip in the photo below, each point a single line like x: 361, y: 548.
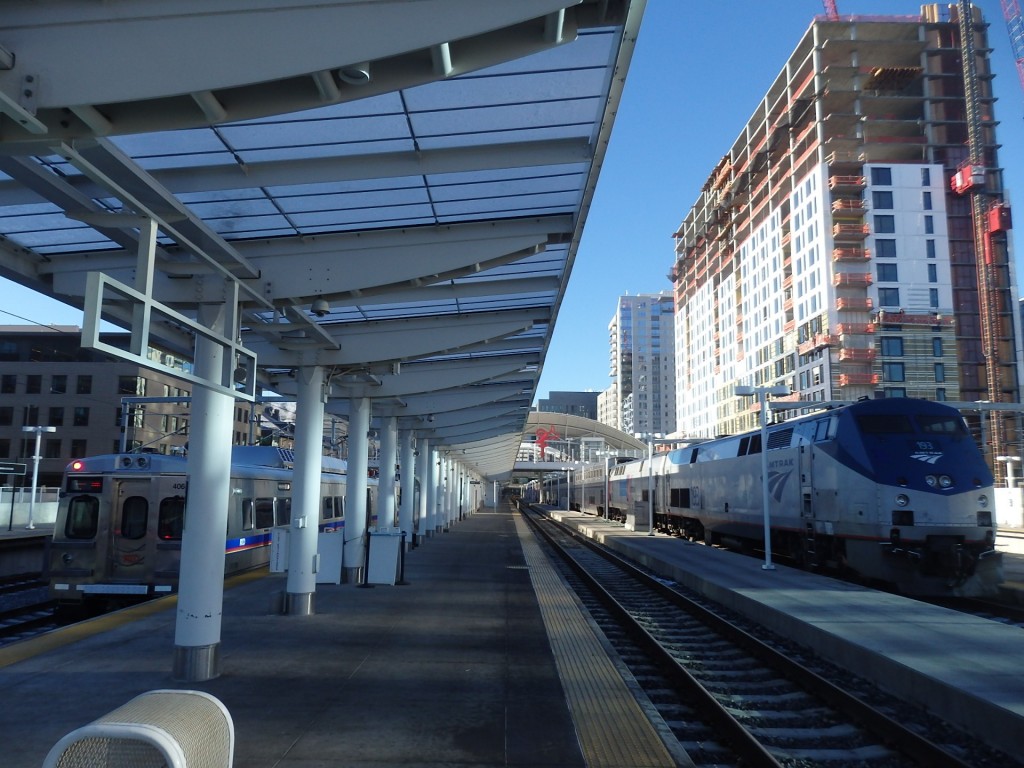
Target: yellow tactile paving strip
x: 612, y: 729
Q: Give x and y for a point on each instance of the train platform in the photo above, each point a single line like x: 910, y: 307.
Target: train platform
x: 962, y: 668
x: 483, y: 658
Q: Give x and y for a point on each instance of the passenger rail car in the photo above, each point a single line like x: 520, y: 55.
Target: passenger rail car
x: 120, y: 520
x: 892, y: 490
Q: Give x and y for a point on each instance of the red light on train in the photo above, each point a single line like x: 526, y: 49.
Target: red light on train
x: 77, y: 466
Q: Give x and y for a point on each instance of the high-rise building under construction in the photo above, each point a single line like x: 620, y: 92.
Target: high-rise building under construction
x: 853, y: 241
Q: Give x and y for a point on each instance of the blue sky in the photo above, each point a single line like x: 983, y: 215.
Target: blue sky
x: 699, y: 71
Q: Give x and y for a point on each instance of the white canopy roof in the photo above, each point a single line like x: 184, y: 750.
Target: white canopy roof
x: 393, y: 190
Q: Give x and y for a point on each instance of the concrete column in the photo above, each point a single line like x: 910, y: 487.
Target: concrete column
x: 434, y: 485
x: 201, y: 583
x: 302, y: 539
x: 407, y: 472
x: 387, y: 513
x: 356, y: 513
x: 423, y: 474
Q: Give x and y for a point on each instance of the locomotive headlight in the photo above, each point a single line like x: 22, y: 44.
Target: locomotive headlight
x: 931, y: 480
x: 983, y: 500
x: 902, y: 499
x: 945, y: 481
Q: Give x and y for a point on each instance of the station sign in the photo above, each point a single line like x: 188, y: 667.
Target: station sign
x: 11, y: 468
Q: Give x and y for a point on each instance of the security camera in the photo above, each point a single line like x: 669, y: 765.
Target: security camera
x: 320, y: 307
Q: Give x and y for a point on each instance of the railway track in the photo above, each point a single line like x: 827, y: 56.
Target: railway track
x: 25, y: 608
x: 732, y: 694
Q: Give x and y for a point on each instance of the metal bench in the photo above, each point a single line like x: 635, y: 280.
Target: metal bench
x: 157, y: 729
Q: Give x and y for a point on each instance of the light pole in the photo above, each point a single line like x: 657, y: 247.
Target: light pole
x: 35, y: 470
x: 1008, y: 460
x: 650, y: 487
x: 762, y: 397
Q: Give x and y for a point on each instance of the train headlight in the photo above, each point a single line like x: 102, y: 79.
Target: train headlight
x: 945, y: 481
x: 931, y: 480
x: 983, y: 500
x: 902, y: 499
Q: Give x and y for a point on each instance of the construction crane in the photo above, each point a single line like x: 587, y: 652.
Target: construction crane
x: 1015, y: 26
x: 990, y: 217
x: 832, y: 12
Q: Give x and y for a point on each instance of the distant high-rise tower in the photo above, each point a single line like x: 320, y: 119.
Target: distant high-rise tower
x: 834, y: 248
x: 642, y: 364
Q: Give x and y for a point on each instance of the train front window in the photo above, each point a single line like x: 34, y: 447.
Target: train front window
x: 171, y: 519
x: 83, y: 517
x: 940, y: 424
x: 887, y: 424
x: 134, y: 517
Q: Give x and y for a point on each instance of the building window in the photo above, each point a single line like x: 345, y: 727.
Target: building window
x: 893, y: 372
x: 885, y: 224
x: 888, y: 273
x: 929, y: 248
x: 885, y: 248
x: 5, y: 448
x: 33, y: 384
x: 31, y: 416
x: 892, y: 346
x: 6, y: 415
x: 895, y: 391
x: 84, y: 385
x: 881, y: 176
x: 78, y: 448
x: 926, y: 177
x: 937, y: 347
x: 933, y: 298
x: 933, y: 273
x: 52, y: 449
x: 58, y: 384
x: 8, y: 384
x: 889, y: 297
x: 940, y: 372
x: 881, y: 199
x: 81, y: 417
x: 56, y: 417
x: 926, y: 200
x: 929, y: 225
x: 940, y: 394
x: 131, y: 385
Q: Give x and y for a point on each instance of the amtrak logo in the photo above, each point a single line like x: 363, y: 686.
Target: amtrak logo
x: 927, y: 458
x: 777, y: 483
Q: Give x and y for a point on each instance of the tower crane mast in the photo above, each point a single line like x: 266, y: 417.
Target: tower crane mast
x: 1015, y: 26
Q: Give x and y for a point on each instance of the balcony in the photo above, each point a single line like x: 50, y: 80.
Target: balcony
x: 851, y: 304
x: 817, y: 341
x: 850, y: 231
x: 851, y: 254
x: 856, y: 355
x: 848, y: 207
x: 840, y: 181
x: 854, y: 379
x: 847, y: 329
x: 851, y: 279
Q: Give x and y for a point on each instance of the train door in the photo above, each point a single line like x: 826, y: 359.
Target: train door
x: 131, y: 550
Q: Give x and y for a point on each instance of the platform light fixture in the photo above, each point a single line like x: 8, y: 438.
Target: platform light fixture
x: 35, y: 471
x: 762, y: 393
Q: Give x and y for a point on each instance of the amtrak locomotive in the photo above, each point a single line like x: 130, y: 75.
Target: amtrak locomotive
x: 891, y: 490
x: 120, y: 519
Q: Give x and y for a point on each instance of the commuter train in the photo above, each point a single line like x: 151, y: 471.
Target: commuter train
x: 893, y: 491
x: 117, y: 536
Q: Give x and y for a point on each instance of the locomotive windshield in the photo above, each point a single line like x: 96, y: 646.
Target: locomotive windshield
x: 928, y: 423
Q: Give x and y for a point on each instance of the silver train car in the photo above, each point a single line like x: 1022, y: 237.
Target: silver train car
x: 891, y: 491
x: 117, y: 536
